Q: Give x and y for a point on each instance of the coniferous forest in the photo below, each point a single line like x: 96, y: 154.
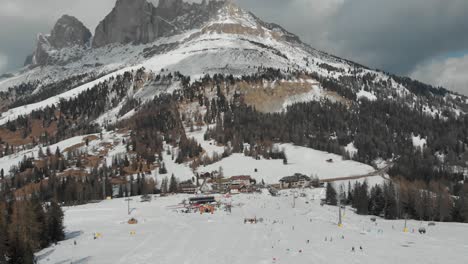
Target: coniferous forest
x: 380, y: 129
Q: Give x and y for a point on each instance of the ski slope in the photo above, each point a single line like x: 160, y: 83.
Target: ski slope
x: 167, y: 237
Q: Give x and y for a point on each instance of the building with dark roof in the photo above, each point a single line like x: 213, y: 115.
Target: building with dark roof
x: 296, y: 181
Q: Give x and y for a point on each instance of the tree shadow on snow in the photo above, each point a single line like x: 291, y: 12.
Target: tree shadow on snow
x: 45, y: 254
x: 72, y: 235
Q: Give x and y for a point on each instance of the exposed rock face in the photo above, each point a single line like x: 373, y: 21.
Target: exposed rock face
x: 67, y: 32
x: 41, y: 55
x: 139, y: 22
x: 131, y: 21
x: 170, y: 9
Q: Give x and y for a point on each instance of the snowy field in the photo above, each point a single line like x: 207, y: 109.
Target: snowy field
x: 165, y: 236
x: 303, y: 160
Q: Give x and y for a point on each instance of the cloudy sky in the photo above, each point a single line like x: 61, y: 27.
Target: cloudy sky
x: 425, y: 39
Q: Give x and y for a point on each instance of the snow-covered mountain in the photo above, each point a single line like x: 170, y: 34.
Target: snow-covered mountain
x: 181, y: 97
x: 194, y: 39
x: 217, y: 37
x: 189, y: 41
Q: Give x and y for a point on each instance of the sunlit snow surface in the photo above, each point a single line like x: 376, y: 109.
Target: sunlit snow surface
x: 166, y: 237
x: 300, y: 160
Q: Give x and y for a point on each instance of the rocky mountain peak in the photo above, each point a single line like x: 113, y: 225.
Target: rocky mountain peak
x: 69, y: 31
x: 140, y: 22
x: 130, y: 21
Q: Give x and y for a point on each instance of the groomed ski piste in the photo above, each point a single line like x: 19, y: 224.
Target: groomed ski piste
x: 304, y: 233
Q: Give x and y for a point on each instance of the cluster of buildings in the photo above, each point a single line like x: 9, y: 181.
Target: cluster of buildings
x: 245, y: 184
x: 298, y: 180
x: 235, y: 184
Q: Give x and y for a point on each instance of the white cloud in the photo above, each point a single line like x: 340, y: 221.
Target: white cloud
x: 450, y: 73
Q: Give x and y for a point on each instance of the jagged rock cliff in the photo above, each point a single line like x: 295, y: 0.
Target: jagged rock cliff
x: 130, y: 21
x: 67, y: 32
x: 139, y: 22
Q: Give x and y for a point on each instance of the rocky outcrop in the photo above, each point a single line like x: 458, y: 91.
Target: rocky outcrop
x: 41, y: 53
x: 169, y: 9
x: 67, y: 32
x: 139, y: 22
x: 130, y: 21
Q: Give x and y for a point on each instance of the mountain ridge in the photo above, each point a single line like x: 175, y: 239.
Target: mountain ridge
x: 229, y: 40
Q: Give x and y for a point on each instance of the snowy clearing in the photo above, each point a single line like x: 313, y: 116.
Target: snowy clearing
x: 419, y: 142
x: 300, y: 160
x: 365, y: 94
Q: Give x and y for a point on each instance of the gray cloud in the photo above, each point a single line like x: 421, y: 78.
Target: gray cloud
x: 22, y: 20
x: 449, y: 73
x: 309, y: 19
x: 396, y: 36
x: 399, y: 34
x: 3, y: 62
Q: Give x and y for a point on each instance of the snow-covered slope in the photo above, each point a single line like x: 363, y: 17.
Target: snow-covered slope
x: 108, y: 146
x: 300, y: 160
x: 164, y: 236
x: 233, y: 41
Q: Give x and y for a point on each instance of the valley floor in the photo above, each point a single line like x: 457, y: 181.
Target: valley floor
x: 166, y: 236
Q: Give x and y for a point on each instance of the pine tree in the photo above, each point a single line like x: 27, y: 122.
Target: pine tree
x: 121, y: 192
x: 331, y: 194
x: 162, y: 169
x: 3, y: 233
x: 164, y: 185
x: 173, y: 185
x: 24, y: 233
x: 55, y: 222
x: 57, y: 152
x: 40, y: 220
x: 463, y: 204
x: 391, y: 206
x: 377, y: 201
x: 40, y: 153
x: 361, y: 198
x: 349, y: 196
